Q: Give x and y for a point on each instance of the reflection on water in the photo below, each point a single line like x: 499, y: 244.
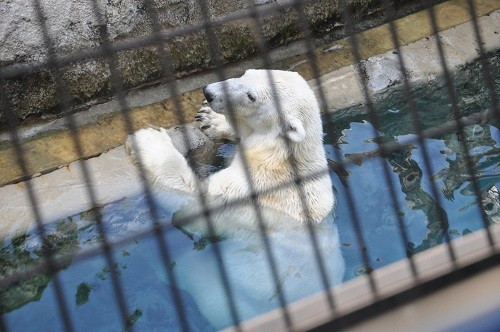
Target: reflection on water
x: 428, y: 220
x: 87, y: 284
x: 24, y: 251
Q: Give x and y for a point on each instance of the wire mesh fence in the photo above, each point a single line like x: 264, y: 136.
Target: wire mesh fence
x: 250, y: 220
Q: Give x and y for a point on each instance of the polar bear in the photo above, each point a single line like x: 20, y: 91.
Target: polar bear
x: 278, y: 185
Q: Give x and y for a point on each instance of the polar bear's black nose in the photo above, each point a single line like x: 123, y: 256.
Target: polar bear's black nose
x: 208, y: 95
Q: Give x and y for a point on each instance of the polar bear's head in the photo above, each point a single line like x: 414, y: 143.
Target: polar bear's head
x: 272, y: 103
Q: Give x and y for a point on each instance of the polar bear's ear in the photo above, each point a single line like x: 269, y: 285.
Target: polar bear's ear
x: 294, y: 129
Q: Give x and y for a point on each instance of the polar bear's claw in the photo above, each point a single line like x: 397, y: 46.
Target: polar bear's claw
x: 205, y: 109
x: 213, y: 124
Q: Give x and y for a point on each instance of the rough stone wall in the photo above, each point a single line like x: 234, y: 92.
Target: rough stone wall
x: 73, y: 27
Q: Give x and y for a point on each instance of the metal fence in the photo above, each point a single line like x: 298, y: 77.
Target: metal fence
x: 53, y: 261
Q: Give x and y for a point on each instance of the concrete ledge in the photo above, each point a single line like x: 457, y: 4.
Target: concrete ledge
x: 342, y: 88
x: 444, y: 309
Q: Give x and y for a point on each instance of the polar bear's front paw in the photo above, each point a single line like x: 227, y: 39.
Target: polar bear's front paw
x: 149, y: 146
x: 213, y: 124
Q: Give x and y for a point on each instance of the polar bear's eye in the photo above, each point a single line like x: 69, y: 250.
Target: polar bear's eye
x: 250, y: 96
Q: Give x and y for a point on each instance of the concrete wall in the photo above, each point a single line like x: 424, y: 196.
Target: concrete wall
x: 73, y: 27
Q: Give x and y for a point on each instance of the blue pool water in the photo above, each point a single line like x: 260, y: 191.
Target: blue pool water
x: 87, y: 285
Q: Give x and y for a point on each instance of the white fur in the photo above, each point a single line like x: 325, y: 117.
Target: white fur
x: 214, y: 124
x: 269, y: 143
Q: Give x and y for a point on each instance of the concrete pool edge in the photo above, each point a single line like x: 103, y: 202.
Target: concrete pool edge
x: 342, y: 87
x: 101, y: 129
x: 394, y: 278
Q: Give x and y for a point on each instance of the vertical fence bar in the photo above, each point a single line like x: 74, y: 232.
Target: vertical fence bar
x: 3, y: 326
x: 355, y: 47
x: 460, y: 126
x: 212, y: 41
x: 65, y: 104
x: 415, y: 120
x: 157, y: 230
x: 169, y: 73
x: 48, y: 255
x: 350, y: 198
x: 485, y: 66
x: 293, y: 163
x: 372, y: 114
x: 119, y: 88
x: 488, y: 81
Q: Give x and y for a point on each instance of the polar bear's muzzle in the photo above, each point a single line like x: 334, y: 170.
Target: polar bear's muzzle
x: 212, y: 93
x: 216, y: 94
x: 209, y: 96
x: 230, y: 94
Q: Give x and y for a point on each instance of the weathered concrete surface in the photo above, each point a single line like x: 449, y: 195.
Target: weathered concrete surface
x: 73, y: 27
x: 422, y: 62
x: 50, y: 146
x: 56, y: 149
x: 63, y: 191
